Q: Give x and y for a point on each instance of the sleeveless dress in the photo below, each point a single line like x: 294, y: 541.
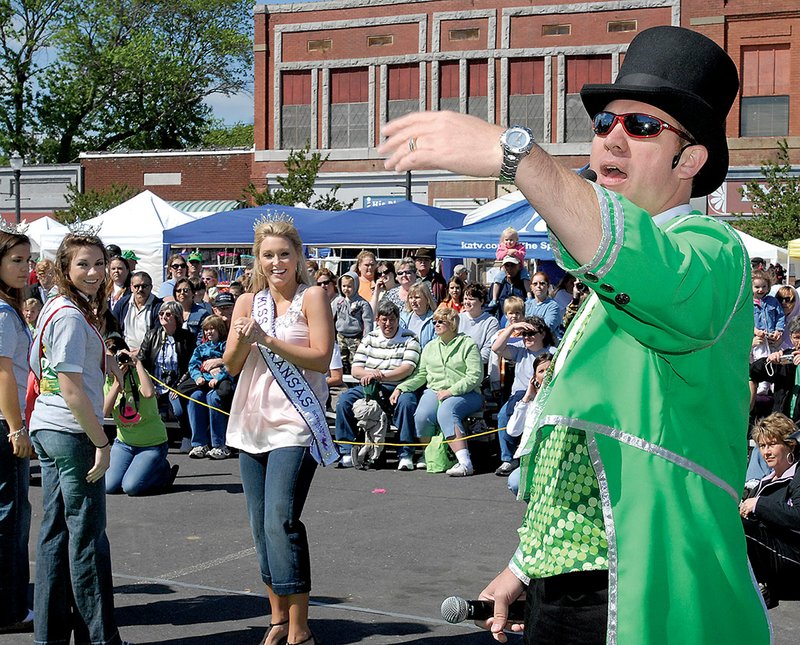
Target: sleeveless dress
x: 262, y: 418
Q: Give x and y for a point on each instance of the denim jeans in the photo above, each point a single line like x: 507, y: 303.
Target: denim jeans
x: 276, y: 485
x: 167, y: 405
x: 403, y: 417
x: 209, y: 427
x: 15, y: 528
x: 74, y: 592
x: 508, y: 444
x: 446, y: 414
x: 137, y: 471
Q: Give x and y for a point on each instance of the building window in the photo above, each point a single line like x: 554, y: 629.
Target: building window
x: 526, y: 99
x: 379, y: 41
x: 615, y: 26
x: 582, y: 70
x: 477, y: 88
x: 765, y: 91
x: 556, y: 30
x: 449, y: 86
x: 349, y: 117
x: 320, y: 45
x: 295, y: 110
x: 765, y: 116
x: 465, y: 34
x: 403, y: 90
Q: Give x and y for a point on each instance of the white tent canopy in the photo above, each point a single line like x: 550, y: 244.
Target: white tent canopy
x: 759, y: 249
x: 136, y: 225
x: 38, y: 228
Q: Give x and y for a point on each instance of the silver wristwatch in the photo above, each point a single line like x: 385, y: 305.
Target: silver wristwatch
x: 517, y: 143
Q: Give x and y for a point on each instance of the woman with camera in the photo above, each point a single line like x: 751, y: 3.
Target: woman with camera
x: 165, y: 353
x: 139, y: 463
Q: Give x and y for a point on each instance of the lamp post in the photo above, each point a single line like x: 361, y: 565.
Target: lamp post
x: 16, y: 166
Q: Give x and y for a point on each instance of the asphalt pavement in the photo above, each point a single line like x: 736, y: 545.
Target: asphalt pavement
x: 387, y: 547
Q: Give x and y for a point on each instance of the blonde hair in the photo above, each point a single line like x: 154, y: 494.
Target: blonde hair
x: 93, y: 308
x: 421, y: 289
x: 776, y: 427
x: 287, y: 231
x: 513, y: 305
x: 448, y: 315
x: 509, y: 232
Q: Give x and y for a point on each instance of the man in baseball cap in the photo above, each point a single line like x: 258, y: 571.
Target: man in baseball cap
x: 423, y: 260
x: 633, y: 455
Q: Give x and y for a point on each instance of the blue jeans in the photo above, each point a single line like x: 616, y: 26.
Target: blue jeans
x: 403, y: 417
x: 446, y: 415
x: 209, y: 427
x: 276, y: 486
x: 137, y: 471
x: 74, y: 592
x: 508, y: 444
x: 167, y: 405
x: 15, y: 528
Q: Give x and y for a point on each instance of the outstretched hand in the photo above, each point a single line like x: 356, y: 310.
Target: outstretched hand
x: 443, y: 140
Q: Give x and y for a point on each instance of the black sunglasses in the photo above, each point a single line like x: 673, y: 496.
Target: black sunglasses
x: 177, y: 266
x: 383, y: 273
x: 786, y: 298
x: 636, y: 125
x: 324, y: 283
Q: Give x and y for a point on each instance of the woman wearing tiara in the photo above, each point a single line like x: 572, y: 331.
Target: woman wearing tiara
x: 280, y: 345
x: 74, y: 594
x: 15, y: 445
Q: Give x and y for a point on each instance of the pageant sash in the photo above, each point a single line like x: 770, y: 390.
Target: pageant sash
x: 294, y: 384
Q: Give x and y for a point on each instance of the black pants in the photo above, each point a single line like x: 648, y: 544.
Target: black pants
x: 775, y: 558
x: 782, y: 377
x: 570, y: 609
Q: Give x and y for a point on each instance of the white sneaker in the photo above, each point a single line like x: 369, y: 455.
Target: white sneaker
x: 421, y: 464
x: 346, y: 462
x: 460, y: 470
x: 198, y: 452
x: 219, y: 453
x: 406, y: 463
x: 186, y: 446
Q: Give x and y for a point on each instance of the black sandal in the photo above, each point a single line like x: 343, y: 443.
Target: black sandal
x: 269, y: 629
x: 311, y: 640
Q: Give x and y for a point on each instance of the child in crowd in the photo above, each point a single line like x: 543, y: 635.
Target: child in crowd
x: 537, y: 339
x: 780, y: 368
x: 501, y: 370
x: 213, y: 387
x: 210, y: 278
x: 31, y: 309
x: 352, y: 317
x: 139, y: 463
x: 516, y: 424
x: 769, y: 317
x: 510, y: 246
x: 236, y: 289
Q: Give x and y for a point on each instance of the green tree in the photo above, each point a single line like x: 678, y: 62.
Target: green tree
x: 219, y: 135
x: 27, y: 28
x: 84, y: 206
x: 776, y: 201
x: 297, y: 186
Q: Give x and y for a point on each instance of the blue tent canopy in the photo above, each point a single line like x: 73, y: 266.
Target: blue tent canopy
x: 403, y: 224
x: 480, y: 238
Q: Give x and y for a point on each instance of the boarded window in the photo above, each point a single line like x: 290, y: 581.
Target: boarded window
x: 765, y: 91
x: 580, y: 71
x: 403, y: 90
x: 615, y: 26
x: 320, y: 45
x: 349, y: 117
x: 473, y: 33
x: 526, y: 100
x: 556, y: 30
x: 379, y: 41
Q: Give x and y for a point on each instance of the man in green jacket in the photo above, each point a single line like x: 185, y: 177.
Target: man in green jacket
x: 634, y: 451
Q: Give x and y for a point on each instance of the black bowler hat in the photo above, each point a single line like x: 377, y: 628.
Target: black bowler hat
x: 688, y: 76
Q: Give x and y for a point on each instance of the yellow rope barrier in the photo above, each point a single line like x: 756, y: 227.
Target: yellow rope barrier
x: 343, y: 443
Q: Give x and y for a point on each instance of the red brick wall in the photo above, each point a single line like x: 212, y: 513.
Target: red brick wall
x: 207, y: 176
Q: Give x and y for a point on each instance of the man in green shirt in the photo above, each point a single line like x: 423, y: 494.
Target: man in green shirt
x: 634, y: 449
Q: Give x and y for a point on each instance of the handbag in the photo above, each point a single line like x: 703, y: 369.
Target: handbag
x: 438, y: 455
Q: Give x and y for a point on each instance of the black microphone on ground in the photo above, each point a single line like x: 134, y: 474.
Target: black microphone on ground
x: 457, y: 610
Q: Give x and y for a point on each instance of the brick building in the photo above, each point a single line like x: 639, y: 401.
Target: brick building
x: 174, y: 175
x: 331, y: 72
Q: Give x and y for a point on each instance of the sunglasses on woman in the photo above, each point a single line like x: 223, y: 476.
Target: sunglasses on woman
x: 323, y: 283
x: 177, y: 266
x: 383, y: 273
x: 785, y: 298
x: 636, y: 125
x: 399, y: 273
